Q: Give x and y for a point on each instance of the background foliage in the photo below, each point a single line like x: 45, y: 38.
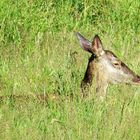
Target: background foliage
x: 39, y: 54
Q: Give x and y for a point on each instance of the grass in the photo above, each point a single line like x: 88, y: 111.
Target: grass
x: 39, y: 54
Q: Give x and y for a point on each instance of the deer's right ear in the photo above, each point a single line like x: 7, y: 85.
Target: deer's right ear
x: 84, y: 43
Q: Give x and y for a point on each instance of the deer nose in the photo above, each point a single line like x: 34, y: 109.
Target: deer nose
x: 136, y: 80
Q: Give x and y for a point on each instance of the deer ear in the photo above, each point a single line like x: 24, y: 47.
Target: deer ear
x: 96, y: 43
x: 84, y: 43
x: 97, y: 47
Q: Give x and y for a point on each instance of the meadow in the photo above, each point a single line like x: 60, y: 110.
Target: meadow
x: 40, y: 54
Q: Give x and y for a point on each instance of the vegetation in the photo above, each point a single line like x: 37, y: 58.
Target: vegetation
x: 39, y: 54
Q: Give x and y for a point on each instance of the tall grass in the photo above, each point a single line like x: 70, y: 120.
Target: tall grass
x: 39, y: 54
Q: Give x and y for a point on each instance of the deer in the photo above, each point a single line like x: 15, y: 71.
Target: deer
x: 105, y: 66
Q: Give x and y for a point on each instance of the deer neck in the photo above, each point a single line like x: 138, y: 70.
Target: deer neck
x: 89, y: 71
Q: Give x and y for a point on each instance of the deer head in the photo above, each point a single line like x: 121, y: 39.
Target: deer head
x: 105, y: 66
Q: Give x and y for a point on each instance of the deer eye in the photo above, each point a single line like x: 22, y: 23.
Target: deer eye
x: 116, y: 64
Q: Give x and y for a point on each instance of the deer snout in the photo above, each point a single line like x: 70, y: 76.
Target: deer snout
x: 136, y: 80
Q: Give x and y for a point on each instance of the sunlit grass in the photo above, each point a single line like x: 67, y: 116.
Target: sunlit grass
x: 39, y: 54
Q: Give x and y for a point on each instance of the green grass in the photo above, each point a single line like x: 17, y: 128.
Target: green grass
x: 39, y: 54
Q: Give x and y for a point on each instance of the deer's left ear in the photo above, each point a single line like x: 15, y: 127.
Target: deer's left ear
x: 97, y: 46
x: 84, y: 43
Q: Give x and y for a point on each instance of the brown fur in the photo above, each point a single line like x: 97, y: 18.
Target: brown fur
x: 89, y: 73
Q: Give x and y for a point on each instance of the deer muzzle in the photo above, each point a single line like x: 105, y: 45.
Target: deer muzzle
x: 136, y: 80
